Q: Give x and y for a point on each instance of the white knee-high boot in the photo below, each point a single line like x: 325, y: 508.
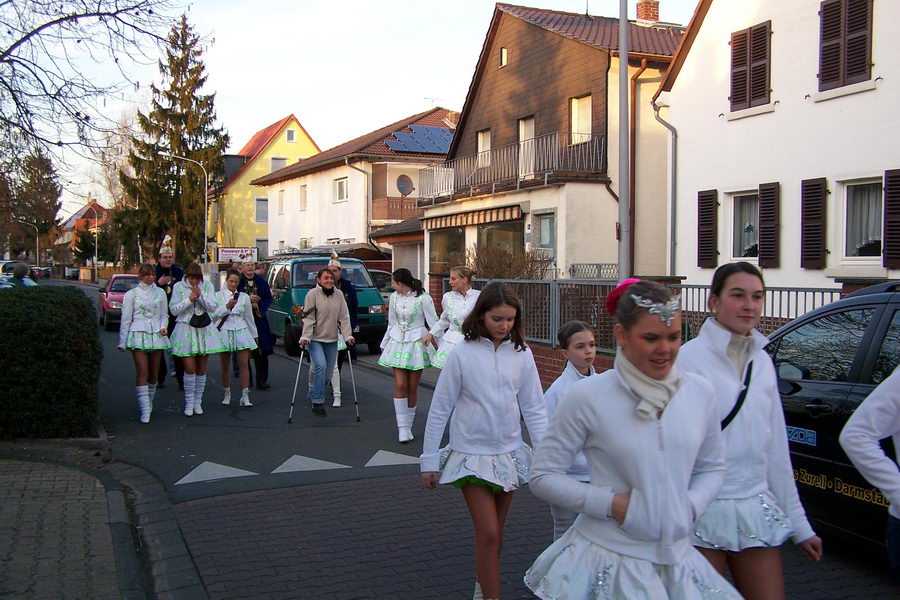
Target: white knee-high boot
x: 151, y: 392
x: 143, y: 403
x: 410, y: 417
x: 189, y: 383
x: 227, y: 399
x: 336, y: 386
x: 477, y: 595
x: 198, y: 394
x: 400, y: 411
x: 245, y: 397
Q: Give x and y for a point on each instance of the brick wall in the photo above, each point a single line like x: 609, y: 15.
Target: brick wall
x: 551, y: 362
x: 648, y: 10
x: 436, y: 291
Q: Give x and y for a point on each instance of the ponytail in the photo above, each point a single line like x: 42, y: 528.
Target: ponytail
x: 405, y: 277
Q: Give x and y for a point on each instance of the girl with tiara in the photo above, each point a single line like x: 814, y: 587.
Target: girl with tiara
x: 455, y: 306
x: 234, y: 319
x: 143, y: 330
x: 650, y: 434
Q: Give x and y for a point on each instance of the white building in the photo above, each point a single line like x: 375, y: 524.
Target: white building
x: 787, y: 151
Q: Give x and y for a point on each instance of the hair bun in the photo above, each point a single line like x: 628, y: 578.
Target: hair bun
x: 612, y: 300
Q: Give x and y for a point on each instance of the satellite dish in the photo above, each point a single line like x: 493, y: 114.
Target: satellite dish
x: 405, y: 185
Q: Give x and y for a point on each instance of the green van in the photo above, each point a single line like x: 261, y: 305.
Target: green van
x: 291, y: 277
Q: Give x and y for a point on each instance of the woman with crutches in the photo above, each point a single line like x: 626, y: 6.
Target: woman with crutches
x: 325, y: 318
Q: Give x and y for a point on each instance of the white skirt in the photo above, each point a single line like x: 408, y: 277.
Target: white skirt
x: 237, y: 339
x: 146, y: 341
x: 734, y: 525
x: 574, y: 568
x: 190, y: 341
x: 508, y: 471
x: 439, y: 356
x: 405, y: 355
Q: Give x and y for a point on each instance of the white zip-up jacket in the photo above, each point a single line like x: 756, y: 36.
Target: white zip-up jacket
x: 181, y: 306
x: 143, y: 310
x: 408, y: 317
x: 876, y: 418
x: 556, y: 395
x: 455, y: 307
x: 239, y: 317
x: 756, y: 446
x: 485, y: 389
x: 672, y: 467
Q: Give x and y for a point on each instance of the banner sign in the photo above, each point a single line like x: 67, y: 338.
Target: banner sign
x: 235, y: 254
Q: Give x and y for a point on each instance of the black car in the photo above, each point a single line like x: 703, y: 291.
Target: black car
x: 828, y: 361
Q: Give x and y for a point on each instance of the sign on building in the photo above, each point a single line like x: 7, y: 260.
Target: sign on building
x: 235, y: 254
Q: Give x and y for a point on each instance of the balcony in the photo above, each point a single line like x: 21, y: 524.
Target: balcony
x: 394, y: 209
x: 539, y: 161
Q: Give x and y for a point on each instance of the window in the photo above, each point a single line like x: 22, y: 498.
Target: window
x: 863, y: 219
x: 340, y: 189
x: 509, y: 235
x: 280, y: 202
x: 262, y: 246
x: 279, y: 278
x: 291, y: 136
x: 750, y: 57
x: 746, y: 225
x: 446, y: 249
x: 504, y: 57
x: 302, y: 197
x: 889, y: 356
x: 484, y: 149
x: 824, y: 349
x: 526, y: 147
x: 845, y: 43
x: 278, y: 163
x: 262, y: 210
x: 580, y: 119
x: 215, y: 212
x: 281, y: 244
x: 545, y: 233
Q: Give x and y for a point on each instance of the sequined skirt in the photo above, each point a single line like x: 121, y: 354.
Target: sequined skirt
x: 405, y: 355
x: 509, y: 471
x: 439, y: 356
x: 190, y: 341
x: 146, y: 341
x: 574, y: 568
x: 237, y: 339
x: 737, y: 524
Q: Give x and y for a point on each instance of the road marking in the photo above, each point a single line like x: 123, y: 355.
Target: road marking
x: 210, y: 471
x: 305, y: 463
x: 383, y: 458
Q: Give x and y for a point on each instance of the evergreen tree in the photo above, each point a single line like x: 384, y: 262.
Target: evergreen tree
x: 36, y: 200
x: 181, y: 122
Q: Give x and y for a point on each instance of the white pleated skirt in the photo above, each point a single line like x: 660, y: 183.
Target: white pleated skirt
x: 738, y: 524
x: 146, y: 341
x: 405, y: 355
x: 508, y: 471
x: 191, y: 341
x: 237, y: 339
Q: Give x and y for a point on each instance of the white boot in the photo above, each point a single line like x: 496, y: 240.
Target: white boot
x: 410, y: 417
x: 151, y: 392
x: 198, y: 394
x: 143, y: 403
x: 477, y: 595
x: 336, y: 387
x: 401, y: 411
x: 227, y: 399
x: 245, y: 397
x: 189, y: 383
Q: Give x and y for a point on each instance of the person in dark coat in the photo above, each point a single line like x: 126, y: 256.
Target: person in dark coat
x: 168, y: 273
x: 260, y: 298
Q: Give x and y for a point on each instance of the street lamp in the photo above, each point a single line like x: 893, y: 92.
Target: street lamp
x: 205, y: 199
x: 37, y: 242
x: 96, y: 241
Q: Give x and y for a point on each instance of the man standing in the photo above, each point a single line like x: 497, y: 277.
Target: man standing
x: 168, y: 273
x: 260, y: 299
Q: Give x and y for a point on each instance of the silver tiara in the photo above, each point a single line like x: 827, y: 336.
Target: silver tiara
x: 664, y: 310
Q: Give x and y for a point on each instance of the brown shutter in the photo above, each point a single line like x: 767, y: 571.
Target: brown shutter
x: 740, y: 59
x: 891, y: 242
x: 813, y: 196
x: 769, y: 226
x: 707, y: 229
x: 858, y: 40
x: 759, y: 63
x: 831, y: 44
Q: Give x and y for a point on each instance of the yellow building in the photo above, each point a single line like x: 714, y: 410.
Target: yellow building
x: 240, y: 215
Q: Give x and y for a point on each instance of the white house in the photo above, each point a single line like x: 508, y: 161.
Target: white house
x: 787, y: 151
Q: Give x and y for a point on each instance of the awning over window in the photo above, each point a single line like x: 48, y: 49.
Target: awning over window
x: 475, y: 217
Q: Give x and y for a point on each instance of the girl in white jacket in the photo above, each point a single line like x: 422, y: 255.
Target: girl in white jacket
x: 488, y: 380
x: 757, y: 508
x: 650, y: 434
x: 234, y: 319
x: 579, y: 347
x: 143, y: 331
x: 455, y: 307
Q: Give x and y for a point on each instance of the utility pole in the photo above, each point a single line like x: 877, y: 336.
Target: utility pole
x: 625, y: 265
x: 205, y: 200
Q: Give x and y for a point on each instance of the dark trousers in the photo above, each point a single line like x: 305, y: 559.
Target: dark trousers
x: 893, y: 545
x: 164, y: 367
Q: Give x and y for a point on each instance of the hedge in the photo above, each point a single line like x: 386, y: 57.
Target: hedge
x: 51, y: 363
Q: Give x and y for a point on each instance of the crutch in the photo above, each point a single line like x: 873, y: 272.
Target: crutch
x: 296, y: 381
x: 353, y: 382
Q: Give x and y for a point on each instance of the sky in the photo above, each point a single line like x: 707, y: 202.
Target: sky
x: 342, y: 67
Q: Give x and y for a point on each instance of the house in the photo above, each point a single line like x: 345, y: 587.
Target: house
x: 787, y: 148
x: 346, y: 193
x: 407, y: 241
x: 528, y: 165
x: 240, y: 213
x: 83, y: 220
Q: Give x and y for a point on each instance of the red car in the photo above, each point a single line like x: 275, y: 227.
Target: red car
x: 111, y: 297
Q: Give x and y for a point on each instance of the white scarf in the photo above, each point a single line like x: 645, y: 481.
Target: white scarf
x: 653, y: 394
x: 146, y: 291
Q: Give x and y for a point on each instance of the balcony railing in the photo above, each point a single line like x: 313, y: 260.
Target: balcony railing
x: 395, y: 209
x: 553, y: 154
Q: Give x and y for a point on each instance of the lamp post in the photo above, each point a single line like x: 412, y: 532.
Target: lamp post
x: 37, y: 242
x: 96, y: 241
x: 205, y: 199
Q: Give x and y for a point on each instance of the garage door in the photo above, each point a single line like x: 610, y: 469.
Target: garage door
x: 410, y: 256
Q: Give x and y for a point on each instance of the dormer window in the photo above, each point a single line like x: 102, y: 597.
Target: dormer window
x: 291, y: 136
x: 504, y: 56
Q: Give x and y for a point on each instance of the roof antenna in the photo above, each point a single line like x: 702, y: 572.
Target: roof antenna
x: 587, y: 10
x: 434, y: 101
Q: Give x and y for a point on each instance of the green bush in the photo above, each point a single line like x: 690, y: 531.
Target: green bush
x: 51, y: 362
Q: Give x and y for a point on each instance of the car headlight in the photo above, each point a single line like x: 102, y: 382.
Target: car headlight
x: 115, y: 304
x: 376, y: 309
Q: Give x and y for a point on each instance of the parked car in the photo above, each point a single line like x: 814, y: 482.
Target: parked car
x: 827, y: 362
x: 383, y: 283
x: 111, y: 297
x: 291, y: 277
x: 5, y: 282
x: 41, y: 272
x: 7, y: 266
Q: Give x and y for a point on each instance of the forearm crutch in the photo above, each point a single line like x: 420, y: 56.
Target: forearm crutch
x: 296, y: 381
x: 353, y: 382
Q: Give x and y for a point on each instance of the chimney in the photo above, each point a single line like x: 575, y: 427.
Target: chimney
x: 648, y: 11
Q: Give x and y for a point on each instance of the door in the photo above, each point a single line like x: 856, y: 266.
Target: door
x: 526, y: 148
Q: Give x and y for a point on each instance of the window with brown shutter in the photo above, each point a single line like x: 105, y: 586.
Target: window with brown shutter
x: 769, y: 225
x: 750, y: 72
x: 891, y: 256
x: 707, y: 229
x: 813, y: 196
x: 845, y: 43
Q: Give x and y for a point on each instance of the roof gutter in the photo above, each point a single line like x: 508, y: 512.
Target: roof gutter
x: 368, y: 196
x: 673, y: 230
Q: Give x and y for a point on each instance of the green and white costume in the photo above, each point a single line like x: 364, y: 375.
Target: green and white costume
x: 408, y: 318
x: 144, y: 315
x: 193, y: 341
x: 239, y: 329
x: 447, y: 331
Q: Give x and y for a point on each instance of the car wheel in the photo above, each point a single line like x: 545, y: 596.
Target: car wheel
x: 102, y: 318
x: 374, y: 348
x: 292, y: 339
x: 109, y: 326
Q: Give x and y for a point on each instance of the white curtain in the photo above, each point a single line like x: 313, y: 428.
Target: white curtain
x: 746, y: 225
x: 864, y: 219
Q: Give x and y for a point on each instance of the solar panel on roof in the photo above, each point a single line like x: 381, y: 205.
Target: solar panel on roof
x: 424, y: 139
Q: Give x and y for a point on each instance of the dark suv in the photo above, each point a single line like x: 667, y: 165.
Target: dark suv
x: 828, y: 361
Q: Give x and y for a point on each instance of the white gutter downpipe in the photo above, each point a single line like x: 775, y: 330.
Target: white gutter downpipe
x: 368, y: 197
x: 673, y: 230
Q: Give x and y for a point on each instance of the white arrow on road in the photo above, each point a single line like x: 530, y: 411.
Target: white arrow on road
x: 210, y: 471
x: 383, y: 458
x: 305, y: 463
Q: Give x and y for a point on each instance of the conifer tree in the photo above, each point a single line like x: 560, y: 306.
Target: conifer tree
x: 36, y: 200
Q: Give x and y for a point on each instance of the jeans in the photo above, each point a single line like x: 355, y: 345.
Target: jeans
x: 323, y: 355
x: 893, y: 545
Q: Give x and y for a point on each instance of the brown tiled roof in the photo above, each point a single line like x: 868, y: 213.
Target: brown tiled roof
x: 260, y: 140
x: 413, y: 225
x: 370, y: 144
x: 660, y: 39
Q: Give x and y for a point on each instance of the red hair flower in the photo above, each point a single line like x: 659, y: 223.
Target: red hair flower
x: 612, y: 300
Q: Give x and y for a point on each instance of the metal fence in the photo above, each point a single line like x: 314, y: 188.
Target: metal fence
x: 594, y: 271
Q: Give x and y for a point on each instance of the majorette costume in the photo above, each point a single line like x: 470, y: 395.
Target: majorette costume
x: 758, y: 505
x: 144, y: 316
x: 447, y: 332
x: 238, y: 329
